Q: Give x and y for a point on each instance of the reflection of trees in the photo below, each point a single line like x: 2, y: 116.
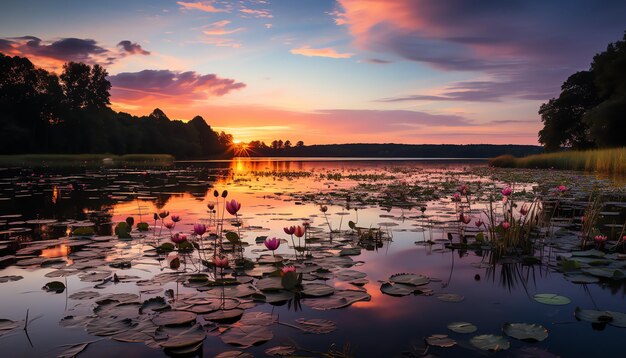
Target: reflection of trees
x: 514, y: 274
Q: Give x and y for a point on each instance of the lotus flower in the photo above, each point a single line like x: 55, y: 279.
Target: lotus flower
x: 299, y: 231
x: 221, y: 262
x: 199, y: 229
x: 272, y: 244
x: 216, y: 193
x: 176, y: 218
x: 289, y: 230
x: 457, y: 196
x: 156, y: 216
x: 562, y: 188
x: 478, y: 223
x: 465, y: 219
x: 169, y: 225
x: 462, y: 189
x: 600, y: 239
x: 506, y: 191
x: 287, y: 269
x: 164, y: 214
x: 506, y: 225
x: 224, y: 193
x: 178, y: 238
x: 233, y: 207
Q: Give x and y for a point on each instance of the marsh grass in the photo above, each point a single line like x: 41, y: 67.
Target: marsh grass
x: 85, y: 159
x: 599, y: 160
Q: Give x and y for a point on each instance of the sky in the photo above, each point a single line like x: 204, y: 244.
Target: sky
x: 327, y: 71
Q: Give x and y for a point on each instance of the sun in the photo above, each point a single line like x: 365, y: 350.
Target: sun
x: 240, y: 148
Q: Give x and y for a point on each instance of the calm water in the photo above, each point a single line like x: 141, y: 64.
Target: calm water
x: 275, y: 194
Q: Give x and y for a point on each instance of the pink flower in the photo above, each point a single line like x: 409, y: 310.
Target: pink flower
x: 478, y: 223
x: 462, y: 189
x: 169, y: 225
x: 233, y: 207
x: 523, y: 210
x: 289, y: 230
x: 506, y: 225
x: 199, y: 229
x: 272, y: 244
x: 178, y: 238
x: 221, y: 262
x: 299, y: 231
x: 600, y: 238
x: 176, y: 218
x: 506, y: 191
x: 457, y: 196
x: 465, y: 219
x: 287, y: 269
x: 562, y: 188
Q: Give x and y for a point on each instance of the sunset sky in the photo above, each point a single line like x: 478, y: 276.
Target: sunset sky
x: 326, y: 71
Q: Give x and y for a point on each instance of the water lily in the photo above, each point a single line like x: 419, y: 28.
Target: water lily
x: 299, y: 231
x: 221, y: 262
x: 233, y: 207
x: 506, y: 225
x: 323, y: 208
x: 176, y: 218
x: 289, y: 230
x: 506, y: 191
x: 199, y: 229
x: 478, y: 223
x: 164, y: 214
x: 457, y: 196
x: 272, y: 244
x: 600, y: 239
x: 287, y: 269
x: 224, y: 194
x: 465, y: 219
x: 562, y: 188
x: 170, y: 225
x: 178, y: 238
x: 462, y: 189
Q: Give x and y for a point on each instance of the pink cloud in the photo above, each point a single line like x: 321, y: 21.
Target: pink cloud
x: 206, y: 6
x: 319, y: 52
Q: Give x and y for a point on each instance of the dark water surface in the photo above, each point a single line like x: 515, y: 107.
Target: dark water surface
x: 275, y: 194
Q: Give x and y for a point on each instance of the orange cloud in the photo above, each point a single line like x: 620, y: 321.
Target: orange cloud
x: 319, y: 52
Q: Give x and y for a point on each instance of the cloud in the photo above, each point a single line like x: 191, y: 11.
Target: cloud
x: 319, y: 52
x: 206, y: 6
x: 377, y: 61
x: 132, y: 48
x: 521, y: 48
x: 265, y: 14
x: 219, y: 28
x: 169, y: 86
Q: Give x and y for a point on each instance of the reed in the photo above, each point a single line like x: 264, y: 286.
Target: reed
x: 612, y: 161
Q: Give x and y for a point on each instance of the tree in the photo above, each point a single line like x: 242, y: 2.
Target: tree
x: 300, y: 144
x: 85, y: 87
x: 287, y: 144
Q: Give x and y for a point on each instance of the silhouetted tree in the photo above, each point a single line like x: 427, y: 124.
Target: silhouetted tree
x: 85, y: 87
x: 300, y: 144
x: 287, y: 144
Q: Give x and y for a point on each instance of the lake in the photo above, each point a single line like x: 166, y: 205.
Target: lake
x: 387, y: 267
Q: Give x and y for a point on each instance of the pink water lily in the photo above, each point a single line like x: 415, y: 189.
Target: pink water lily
x: 478, y: 223
x: 289, y: 230
x: 233, y: 207
x: 523, y: 210
x: 199, y: 229
x: 462, y: 189
x: 465, y: 219
x: 506, y: 191
x: 176, y: 218
x: 221, y: 262
x: 600, y: 238
x: 562, y: 188
x: 506, y: 225
x: 287, y: 269
x: 272, y: 244
x: 299, y: 231
x: 169, y: 225
x: 178, y: 238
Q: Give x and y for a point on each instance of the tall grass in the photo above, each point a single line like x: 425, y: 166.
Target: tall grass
x: 85, y: 159
x: 600, y: 160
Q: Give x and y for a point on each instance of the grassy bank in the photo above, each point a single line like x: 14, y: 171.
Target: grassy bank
x: 600, y: 160
x: 85, y: 159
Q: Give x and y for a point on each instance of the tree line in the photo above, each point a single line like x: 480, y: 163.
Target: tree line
x: 41, y: 112
x: 590, y: 111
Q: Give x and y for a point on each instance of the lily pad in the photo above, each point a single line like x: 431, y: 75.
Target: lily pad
x: 525, y: 331
x: 340, y: 299
x: 490, y: 342
x: 54, y: 286
x: 185, y: 338
x: 173, y: 318
x: 409, y: 279
x: 551, y: 299
x: 440, y: 340
x: 462, y: 327
x: 317, y: 290
x: 316, y: 325
x: 246, y: 336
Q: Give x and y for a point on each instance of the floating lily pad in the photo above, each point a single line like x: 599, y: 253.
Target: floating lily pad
x: 172, y: 318
x: 281, y: 351
x: 593, y: 316
x: 232, y: 315
x: 316, y: 325
x: 185, y: 338
x: 54, y: 286
x: 409, y: 279
x: 317, y: 290
x: 247, y: 336
x: 84, y: 295
x: 340, y: 299
x: 525, y: 332
x: 551, y: 299
x: 490, y: 342
x: 397, y: 290
x: 462, y: 327
x: 440, y: 340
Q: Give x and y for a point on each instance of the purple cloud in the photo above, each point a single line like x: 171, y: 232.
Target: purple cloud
x: 132, y: 48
